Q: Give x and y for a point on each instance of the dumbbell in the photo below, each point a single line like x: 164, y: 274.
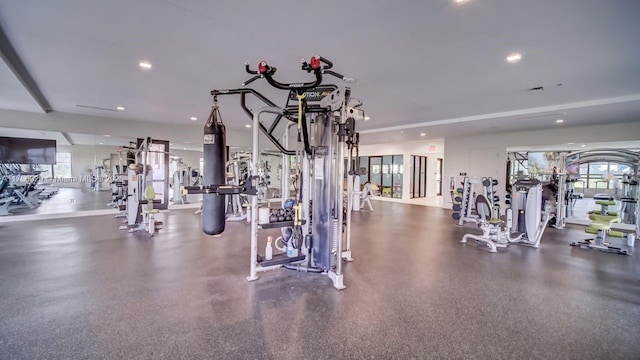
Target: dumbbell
x: 457, y: 199
x: 455, y: 216
x: 273, y: 217
x: 457, y: 207
x: 486, y: 182
x: 496, y: 198
x: 507, y: 202
x: 459, y: 190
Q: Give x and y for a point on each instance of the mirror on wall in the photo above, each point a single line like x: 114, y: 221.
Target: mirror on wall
x: 583, y: 179
x: 87, y: 174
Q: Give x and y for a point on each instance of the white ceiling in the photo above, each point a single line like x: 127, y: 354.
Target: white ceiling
x: 434, y: 66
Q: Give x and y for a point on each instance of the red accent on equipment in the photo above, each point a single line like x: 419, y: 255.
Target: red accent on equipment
x: 262, y: 67
x: 315, y: 62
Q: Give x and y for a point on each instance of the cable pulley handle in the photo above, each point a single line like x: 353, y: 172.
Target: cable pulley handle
x: 339, y: 76
x: 252, y: 72
x: 251, y: 80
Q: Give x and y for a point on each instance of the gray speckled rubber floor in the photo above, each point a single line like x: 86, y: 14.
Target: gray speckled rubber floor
x: 81, y: 289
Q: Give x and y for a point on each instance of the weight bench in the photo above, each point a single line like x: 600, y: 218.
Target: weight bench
x: 493, y: 236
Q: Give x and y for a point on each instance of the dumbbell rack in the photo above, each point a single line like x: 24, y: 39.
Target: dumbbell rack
x: 280, y: 218
x: 494, y: 199
x: 464, y: 198
x: 463, y: 202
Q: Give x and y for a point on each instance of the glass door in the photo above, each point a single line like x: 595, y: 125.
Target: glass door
x: 418, y: 176
x: 439, y: 177
x: 423, y: 176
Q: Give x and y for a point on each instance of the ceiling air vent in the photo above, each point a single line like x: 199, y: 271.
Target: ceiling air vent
x: 95, y: 107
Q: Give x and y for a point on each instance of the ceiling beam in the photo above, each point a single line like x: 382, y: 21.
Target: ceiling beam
x: 66, y: 136
x: 11, y: 58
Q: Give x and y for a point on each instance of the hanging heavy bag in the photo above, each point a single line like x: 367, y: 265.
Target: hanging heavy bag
x: 214, y: 156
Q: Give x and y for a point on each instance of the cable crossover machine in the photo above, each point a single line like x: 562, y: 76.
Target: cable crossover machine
x: 324, y: 117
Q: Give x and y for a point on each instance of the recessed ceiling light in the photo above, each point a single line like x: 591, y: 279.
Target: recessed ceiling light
x: 107, y: 135
x: 145, y: 65
x: 247, y: 126
x: 461, y: 1
x: 101, y: 143
x: 401, y: 131
x: 170, y: 143
x: 187, y: 142
x: 423, y: 134
x: 120, y: 108
x: 559, y: 121
x: 570, y: 143
x: 367, y: 118
x: 514, y: 58
x: 583, y: 145
x: 184, y: 148
x: 193, y: 118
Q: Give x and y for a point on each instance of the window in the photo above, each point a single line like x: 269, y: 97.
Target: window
x: 62, y: 168
x: 46, y: 171
x: 364, y: 169
x: 600, y: 175
x: 385, y: 172
x: 398, y: 170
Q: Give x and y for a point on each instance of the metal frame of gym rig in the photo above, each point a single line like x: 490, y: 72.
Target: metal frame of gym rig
x: 325, y: 116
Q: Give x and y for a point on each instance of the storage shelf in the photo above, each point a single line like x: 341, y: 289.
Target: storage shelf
x: 279, y: 224
x: 279, y: 259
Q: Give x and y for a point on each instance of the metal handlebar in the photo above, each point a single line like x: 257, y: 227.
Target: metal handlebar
x: 315, y: 65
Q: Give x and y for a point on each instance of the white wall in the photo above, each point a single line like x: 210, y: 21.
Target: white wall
x: 407, y: 149
x: 485, y: 155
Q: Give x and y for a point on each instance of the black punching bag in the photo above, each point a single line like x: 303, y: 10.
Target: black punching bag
x: 214, y: 158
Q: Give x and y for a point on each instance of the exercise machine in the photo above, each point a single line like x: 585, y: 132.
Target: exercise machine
x: 524, y: 223
x: 463, y: 198
x: 324, y: 116
x: 237, y: 171
x: 141, y: 196
x: 493, y: 234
